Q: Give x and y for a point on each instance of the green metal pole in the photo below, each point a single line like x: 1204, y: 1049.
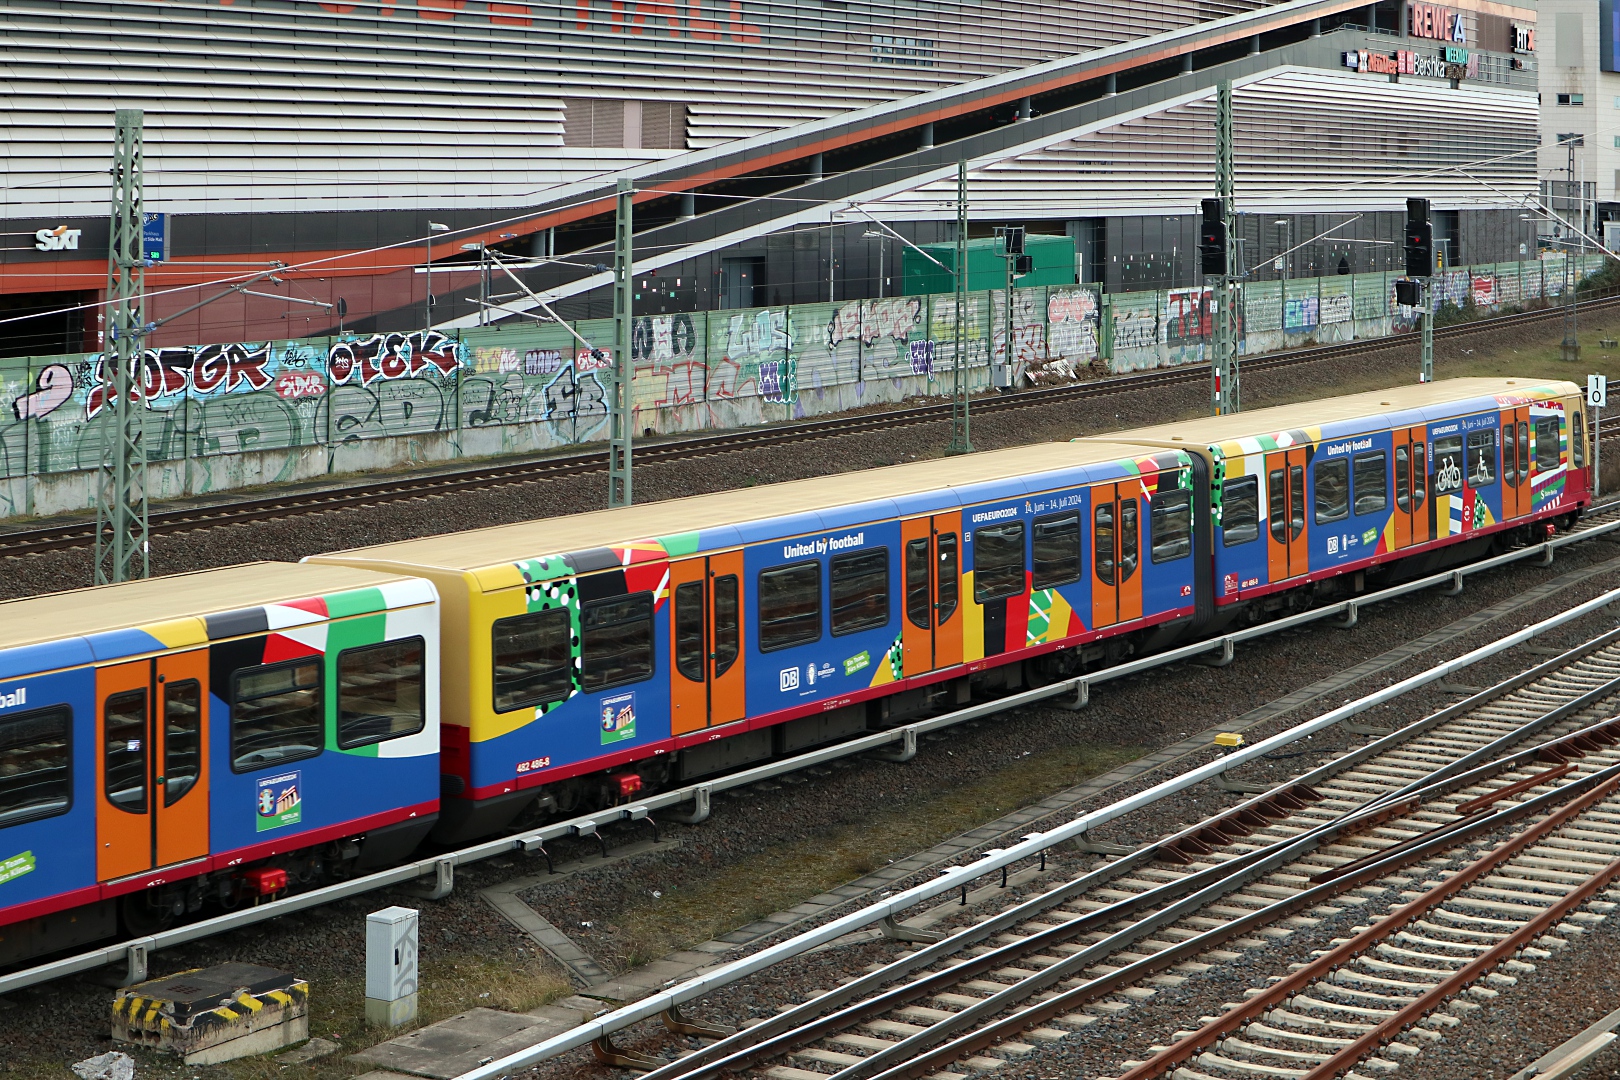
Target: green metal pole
x: 619, y: 434
x: 1224, y: 397
x: 961, y: 438
x: 122, y: 549
x: 1426, y: 326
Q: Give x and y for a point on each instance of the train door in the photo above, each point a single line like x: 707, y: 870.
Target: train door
x: 1116, y: 553
x: 931, y: 635
x: 152, y: 764
x: 706, y: 613
x: 1286, y: 552
x: 1411, y: 488
x: 1515, y: 462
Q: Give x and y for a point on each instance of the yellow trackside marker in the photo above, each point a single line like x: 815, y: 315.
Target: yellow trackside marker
x: 1230, y: 739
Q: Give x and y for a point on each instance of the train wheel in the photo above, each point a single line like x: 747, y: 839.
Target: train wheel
x: 145, y: 913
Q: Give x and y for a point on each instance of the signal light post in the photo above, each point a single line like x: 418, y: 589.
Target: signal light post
x: 1420, y: 267
x: 1216, y: 259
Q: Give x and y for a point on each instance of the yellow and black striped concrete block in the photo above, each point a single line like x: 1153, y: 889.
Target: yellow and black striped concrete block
x: 214, y: 1014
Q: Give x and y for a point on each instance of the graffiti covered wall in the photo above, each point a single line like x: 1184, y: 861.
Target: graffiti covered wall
x: 229, y: 415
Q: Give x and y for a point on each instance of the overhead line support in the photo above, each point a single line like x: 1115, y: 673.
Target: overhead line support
x: 123, y: 550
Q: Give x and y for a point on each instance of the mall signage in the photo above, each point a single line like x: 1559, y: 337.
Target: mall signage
x: 1435, y: 23
x: 1450, y: 64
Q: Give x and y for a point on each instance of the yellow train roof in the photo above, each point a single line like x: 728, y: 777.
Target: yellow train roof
x: 134, y: 604
x: 506, y: 544
x: 1212, y: 430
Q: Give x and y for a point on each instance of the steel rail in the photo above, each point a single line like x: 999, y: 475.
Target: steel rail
x: 187, y: 519
x: 806, y: 1022
x: 134, y: 952
x: 904, y: 1064
x: 1593, y: 788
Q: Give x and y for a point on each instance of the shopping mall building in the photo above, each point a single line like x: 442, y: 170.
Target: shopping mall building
x: 328, y: 141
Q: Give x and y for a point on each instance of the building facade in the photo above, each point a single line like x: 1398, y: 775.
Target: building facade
x: 327, y: 141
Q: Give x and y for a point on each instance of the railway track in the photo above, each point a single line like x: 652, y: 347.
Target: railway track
x: 1395, y: 813
x: 81, y: 534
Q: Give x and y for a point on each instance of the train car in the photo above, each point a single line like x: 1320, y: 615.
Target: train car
x: 589, y: 655
x: 1394, y: 482
x: 209, y: 737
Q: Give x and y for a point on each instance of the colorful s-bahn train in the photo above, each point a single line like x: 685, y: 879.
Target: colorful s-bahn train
x: 222, y: 736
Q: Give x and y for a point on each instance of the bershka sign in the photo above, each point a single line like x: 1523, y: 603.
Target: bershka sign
x: 1435, y: 23
x: 60, y: 238
x: 1407, y: 62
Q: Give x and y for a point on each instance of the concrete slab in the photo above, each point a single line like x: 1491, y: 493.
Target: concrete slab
x: 464, y: 1041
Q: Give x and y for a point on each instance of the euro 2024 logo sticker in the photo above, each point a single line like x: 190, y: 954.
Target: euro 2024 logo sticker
x: 618, y: 716
x: 280, y: 801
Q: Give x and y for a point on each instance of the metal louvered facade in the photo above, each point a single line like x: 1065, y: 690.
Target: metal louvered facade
x: 1303, y: 141
x: 290, y: 105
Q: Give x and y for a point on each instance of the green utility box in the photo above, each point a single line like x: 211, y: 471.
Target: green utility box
x: 987, y: 268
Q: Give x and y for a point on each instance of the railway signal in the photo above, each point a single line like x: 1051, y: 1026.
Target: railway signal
x: 1420, y: 267
x: 1419, y: 239
x: 1212, y: 238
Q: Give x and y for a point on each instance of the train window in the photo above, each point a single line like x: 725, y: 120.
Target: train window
x: 276, y: 714
x: 998, y: 561
x: 789, y: 605
x: 1170, y: 518
x: 615, y: 641
x: 1296, y: 501
x: 1524, y: 451
x: 1056, y: 543
x: 919, y: 605
x: 1510, y: 454
x: 533, y: 659
x: 859, y: 582
x: 1103, y: 542
x: 1481, y: 458
x: 379, y: 695
x: 36, y: 780
x: 1403, y: 478
x: 1448, y: 465
x: 1129, y: 530
x: 727, y: 623
x: 1240, y: 511
x: 1547, y: 444
x: 1332, y: 491
x: 1577, y: 439
x: 124, y: 749
x: 1420, y: 476
x: 1371, y: 475
x: 689, y: 646
x: 1277, y: 503
x: 949, y: 574
x: 182, y: 738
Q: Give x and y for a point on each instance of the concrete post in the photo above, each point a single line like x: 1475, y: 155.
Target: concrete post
x: 391, y: 966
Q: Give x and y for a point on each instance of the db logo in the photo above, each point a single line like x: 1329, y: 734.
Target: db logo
x: 60, y: 238
x: 788, y: 678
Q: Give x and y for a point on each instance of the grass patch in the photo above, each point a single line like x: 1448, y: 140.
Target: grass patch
x: 789, y: 874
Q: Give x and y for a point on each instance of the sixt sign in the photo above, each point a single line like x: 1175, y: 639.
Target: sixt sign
x: 60, y: 238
